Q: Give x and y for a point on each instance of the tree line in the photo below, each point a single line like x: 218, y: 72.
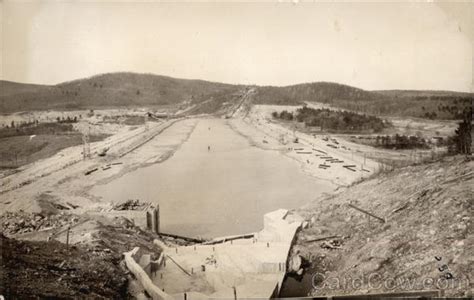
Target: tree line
x: 461, y: 141
x: 401, y: 142
x: 332, y: 120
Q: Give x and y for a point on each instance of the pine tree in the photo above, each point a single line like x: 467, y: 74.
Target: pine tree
x: 462, y: 138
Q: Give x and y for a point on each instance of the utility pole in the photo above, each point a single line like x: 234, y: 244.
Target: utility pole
x: 86, y: 151
x: 146, y: 121
x: 67, y: 238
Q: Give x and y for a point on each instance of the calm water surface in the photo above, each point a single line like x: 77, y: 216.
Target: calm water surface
x: 222, y: 191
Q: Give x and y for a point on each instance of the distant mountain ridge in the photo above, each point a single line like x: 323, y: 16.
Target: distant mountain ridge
x: 108, y: 90
x: 422, y: 93
x: 316, y: 91
x: 133, y: 90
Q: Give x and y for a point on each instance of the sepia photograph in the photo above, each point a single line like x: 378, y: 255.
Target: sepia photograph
x: 236, y: 149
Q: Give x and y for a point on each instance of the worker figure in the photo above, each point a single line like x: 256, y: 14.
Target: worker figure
x: 208, y: 148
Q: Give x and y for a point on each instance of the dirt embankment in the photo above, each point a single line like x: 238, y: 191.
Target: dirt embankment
x: 34, y: 269
x: 50, y: 269
x: 425, y: 243
x: 60, y: 254
x: 64, y: 255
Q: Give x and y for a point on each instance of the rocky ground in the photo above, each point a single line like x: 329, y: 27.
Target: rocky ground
x: 53, y: 270
x: 423, y: 242
x: 59, y: 254
x: 20, y: 222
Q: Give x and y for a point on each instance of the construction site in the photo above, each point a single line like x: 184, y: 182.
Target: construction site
x: 117, y: 201
x: 226, y: 150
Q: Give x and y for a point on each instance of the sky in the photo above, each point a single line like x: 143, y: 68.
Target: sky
x: 371, y: 45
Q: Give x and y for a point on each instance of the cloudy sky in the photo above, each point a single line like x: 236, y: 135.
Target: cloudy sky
x: 369, y: 45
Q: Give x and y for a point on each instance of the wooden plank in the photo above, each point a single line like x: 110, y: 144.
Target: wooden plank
x: 223, y: 240
x: 181, y: 237
x: 90, y: 171
x: 367, y: 213
x: 323, y: 238
x: 176, y: 263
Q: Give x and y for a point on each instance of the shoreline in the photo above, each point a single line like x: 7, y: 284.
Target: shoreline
x: 162, y: 158
x: 69, y: 185
x: 328, y: 187
x: 284, y: 153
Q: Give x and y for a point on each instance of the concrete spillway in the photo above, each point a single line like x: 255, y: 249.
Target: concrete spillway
x: 243, y: 268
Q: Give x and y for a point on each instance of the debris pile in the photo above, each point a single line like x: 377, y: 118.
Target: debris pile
x: 331, y: 244
x: 22, y: 222
x: 132, y: 205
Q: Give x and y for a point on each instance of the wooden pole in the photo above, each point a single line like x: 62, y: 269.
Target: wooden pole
x: 156, y: 212
x: 67, y: 239
x: 366, y: 212
x: 148, y: 220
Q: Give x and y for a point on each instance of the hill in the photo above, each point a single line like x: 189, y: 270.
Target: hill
x: 426, y: 238
x: 9, y: 88
x: 444, y: 105
x: 325, y: 92
x: 110, y: 90
x: 132, y: 89
x: 422, y: 94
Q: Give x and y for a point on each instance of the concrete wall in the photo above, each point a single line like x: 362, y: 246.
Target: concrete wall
x: 155, y: 292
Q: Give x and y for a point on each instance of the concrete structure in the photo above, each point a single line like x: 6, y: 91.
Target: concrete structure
x: 242, y: 268
x: 152, y: 290
x: 250, y: 267
x: 153, y: 219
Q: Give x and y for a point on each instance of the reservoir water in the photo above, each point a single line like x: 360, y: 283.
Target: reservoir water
x: 216, y: 184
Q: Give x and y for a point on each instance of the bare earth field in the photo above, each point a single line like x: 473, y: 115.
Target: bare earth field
x: 21, y: 150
